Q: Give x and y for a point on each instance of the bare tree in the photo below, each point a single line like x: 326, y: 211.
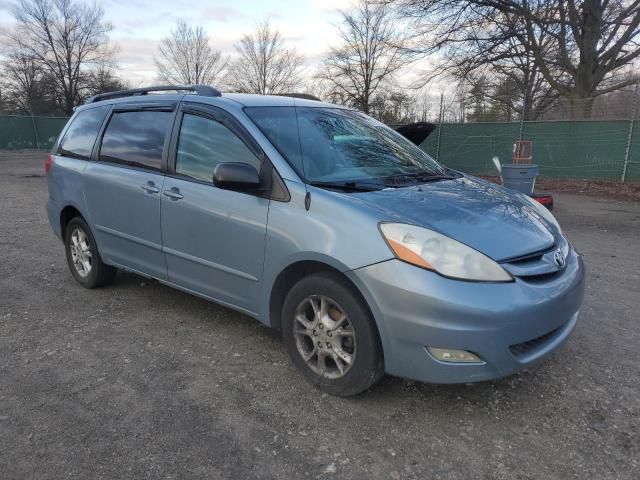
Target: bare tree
x: 265, y: 65
x: 580, y: 49
x: 186, y: 57
x: 65, y: 39
x: 370, y: 52
x: 21, y: 81
x: 102, y: 80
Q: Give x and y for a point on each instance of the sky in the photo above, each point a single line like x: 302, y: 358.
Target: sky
x: 138, y: 26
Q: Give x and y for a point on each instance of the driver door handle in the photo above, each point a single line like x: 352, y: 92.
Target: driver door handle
x: 173, y: 193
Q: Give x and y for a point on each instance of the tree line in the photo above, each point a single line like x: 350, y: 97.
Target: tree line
x: 502, y: 60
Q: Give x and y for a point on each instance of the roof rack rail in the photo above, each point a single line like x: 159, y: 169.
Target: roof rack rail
x: 204, y: 90
x: 305, y: 96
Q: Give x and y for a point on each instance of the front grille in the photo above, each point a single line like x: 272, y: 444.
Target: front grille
x: 543, y: 277
x: 539, y: 266
x: 524, y: 348
x: 531, y: 258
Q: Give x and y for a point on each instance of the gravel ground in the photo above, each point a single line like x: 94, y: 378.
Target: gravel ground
x: 137, y: 380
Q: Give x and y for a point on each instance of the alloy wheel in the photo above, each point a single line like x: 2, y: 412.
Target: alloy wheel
x: 81, y: 255
x: 325, y: 338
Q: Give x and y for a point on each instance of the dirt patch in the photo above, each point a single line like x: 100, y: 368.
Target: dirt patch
x: 629, y: 191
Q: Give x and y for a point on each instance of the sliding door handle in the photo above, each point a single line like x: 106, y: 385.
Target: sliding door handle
x: 173, y: 193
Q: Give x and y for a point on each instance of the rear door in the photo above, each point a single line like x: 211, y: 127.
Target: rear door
x: 123, y: 185
x: 213, y: 239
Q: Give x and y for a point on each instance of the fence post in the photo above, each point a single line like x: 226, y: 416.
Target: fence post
x: 630, y: 135
x: 440, y: 126
x: 522, y: 115
x: 35, y: 131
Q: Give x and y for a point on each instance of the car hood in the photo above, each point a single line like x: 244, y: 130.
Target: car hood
x: 491, y: 219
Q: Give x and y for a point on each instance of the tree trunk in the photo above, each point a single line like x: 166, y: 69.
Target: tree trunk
x: 580, y: 107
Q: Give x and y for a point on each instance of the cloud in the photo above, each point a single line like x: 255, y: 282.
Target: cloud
x: 150, y: 21
x: 135, y: 57
x: 142, y: 4
x: 331, y: 5
x: 273, y: 14
x: 5, y: 28
x: 222, y: 14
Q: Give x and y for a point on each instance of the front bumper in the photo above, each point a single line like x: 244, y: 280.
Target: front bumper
x: 510, y: 326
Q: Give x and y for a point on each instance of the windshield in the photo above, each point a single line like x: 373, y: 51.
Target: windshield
x: 338, y: 145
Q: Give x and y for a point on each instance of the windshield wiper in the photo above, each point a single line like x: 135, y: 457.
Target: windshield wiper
x: 350, y: 186
x: 420, y: 177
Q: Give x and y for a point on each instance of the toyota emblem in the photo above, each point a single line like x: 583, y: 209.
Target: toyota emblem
x: 559, y: 258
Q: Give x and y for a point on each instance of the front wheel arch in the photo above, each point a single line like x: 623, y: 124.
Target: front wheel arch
x: 295, y: 272
x: 369, y: 355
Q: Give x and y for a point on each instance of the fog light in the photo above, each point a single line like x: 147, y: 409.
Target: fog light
x: 453, y: 356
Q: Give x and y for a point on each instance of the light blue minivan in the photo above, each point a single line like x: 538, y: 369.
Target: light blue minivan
x: 365, y: 253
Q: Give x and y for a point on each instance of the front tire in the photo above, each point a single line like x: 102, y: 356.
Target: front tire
x: 330, y: 335
x: 83, y: 257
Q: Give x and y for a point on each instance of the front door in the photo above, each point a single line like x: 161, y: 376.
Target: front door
x: 213, y: 239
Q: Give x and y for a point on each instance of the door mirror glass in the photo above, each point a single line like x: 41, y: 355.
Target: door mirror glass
x: 236, y: 175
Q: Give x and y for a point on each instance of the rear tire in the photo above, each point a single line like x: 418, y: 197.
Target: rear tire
x: 83, y: 257
x: 330, y: 335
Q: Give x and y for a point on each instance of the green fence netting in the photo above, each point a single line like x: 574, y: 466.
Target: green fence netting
x: 633, y: 165
x: 563, y: 149
x: 24, y: 132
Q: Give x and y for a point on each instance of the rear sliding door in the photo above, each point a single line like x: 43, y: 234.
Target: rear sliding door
x: 123, y: 187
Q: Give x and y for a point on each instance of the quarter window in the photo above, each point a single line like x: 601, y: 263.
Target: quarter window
x: 82, y: 132
x: 204, y: 143
x: 135, y: 139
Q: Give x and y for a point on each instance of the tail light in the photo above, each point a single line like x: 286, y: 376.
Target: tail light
x: 48, y: 163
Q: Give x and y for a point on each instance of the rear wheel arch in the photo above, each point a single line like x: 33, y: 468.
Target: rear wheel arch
x: 83, y: 257
x: 66, y: 215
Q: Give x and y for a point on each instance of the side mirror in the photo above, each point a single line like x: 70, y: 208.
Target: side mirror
x: 236, y: 176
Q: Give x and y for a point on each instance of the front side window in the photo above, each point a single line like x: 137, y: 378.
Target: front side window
x: 82, y: 132
x: 340, y: 145
x: 135, y: 139
x: 204, y: 143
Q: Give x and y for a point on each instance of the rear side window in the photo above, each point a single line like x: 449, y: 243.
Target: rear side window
x: 204, y: 143
x: 82, y: 132
x: 135, y: 139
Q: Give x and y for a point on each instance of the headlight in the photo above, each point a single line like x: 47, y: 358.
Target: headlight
x: 543, y: 211
x: 433, y: 251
